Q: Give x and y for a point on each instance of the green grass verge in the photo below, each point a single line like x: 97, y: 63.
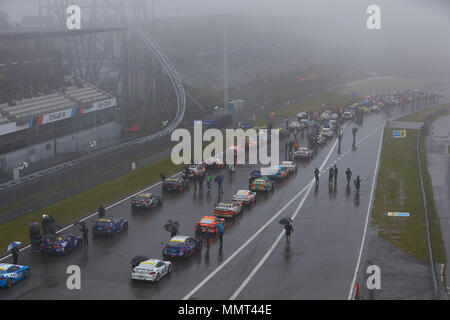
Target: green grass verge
x: 88, y: 201
x: 435, y: 226
x: 385, y: 84
x: 398, y: 189
x: 420, y: 116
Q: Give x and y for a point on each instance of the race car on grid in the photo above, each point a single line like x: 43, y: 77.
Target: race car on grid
x: 214, y: 163
x: 211, y: 223
x: 227, y: 210
x: 196, y: 169
x: 174, y: 184
x: 290, y: 166
x: 303, y: 153
x: 151, y: 270
x: 245, y: 197
x: 146, y: 200
x: 262, y: 184
x: 11, y: 273
x: 60, y: 244
x: 109, y: 226
x: 181, y: 247
x: 278, y: 173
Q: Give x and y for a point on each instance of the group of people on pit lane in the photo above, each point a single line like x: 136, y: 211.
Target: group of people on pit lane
x: 332, y: 176
x: 36, y: 237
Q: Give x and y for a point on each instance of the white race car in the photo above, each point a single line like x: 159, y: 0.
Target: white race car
x: 151, y: 270
x: 227, y: 210
x: 244, y: 197
x: 347, y: 115
x: 303, y: 153
x: 327, y: 132
x: 290, y: 165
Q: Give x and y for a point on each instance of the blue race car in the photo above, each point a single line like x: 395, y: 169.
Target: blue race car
x: 60, y: 244
x: 109, y: 226
x: 10, y: 274
x: 182, y: 247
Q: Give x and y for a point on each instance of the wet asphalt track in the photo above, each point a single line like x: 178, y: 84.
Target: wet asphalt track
x: 319, y: 264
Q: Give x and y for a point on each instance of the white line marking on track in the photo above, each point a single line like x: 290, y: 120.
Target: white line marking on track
x: 278, y: 239
x: 246, y: 243
x: 350, y: 294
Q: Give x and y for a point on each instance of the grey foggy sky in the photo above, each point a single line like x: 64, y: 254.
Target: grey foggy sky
x: 413, y: 31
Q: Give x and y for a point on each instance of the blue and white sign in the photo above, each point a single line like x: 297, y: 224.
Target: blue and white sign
x: 398, y: 214
x: 399, y: 133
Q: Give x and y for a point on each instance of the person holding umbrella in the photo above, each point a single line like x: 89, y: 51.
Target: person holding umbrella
x: 172, y: 227
x: 287, y: 222
x: 14, y: 249
x: 34, y: 233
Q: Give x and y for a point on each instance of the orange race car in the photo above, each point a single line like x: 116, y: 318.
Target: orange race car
x: 213, y: 224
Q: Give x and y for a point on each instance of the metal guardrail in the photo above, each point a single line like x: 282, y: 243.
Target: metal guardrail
x: 427, y: 222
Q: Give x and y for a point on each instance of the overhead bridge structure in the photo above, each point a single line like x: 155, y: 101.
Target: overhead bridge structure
x: 173, y: 75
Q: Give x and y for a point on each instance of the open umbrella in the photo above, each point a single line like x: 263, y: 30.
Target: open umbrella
x: 36, y: 229
x: 13, y: 245
x: 285, y: 221
x: 137, y: 260
x: 219, y: 178
x: 171, y: 226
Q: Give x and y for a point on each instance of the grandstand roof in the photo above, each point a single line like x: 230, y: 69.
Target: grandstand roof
x: 46, y: 34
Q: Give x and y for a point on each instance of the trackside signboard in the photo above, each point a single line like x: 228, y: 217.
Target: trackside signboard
x: 398, y: 214
x: 399, y: 133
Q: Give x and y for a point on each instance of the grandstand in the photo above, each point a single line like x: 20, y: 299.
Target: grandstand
x: 41, y: 103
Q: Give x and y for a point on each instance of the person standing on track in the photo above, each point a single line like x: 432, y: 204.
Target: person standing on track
x: 163, y: 177
x: 195, y: 178
x: 85, y: 232
x: 186, y: 175
x: 357, y: 183
x: 316, y: 175
x: 288, y: 231
x: 15, y: 255
x: 221, y: 231
x: 331, y: 175
x: 101, y: 211
x: 208, y: 181
x: 335, y: 171
x: 250, y: 181
x: 207, y: 236
x: 348, y: 173
x: 201, y: 177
